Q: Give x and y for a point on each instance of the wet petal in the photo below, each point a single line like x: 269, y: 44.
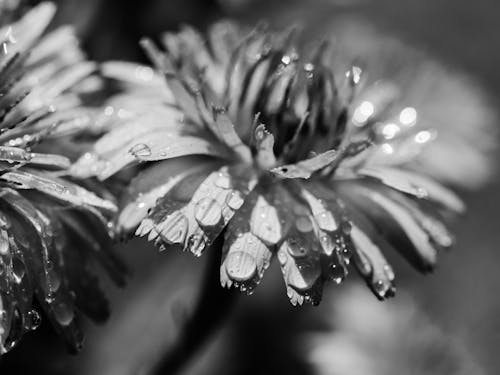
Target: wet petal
x: 212, y: 205
x: 153, y: 183
x: 401, y: 229
x: 245, y: 258
x: 264, y: 142
x: 305, y: 168
x: 417, y: 185
x: 60, y: 189
x: 299, y: 258
x: 43, y: 260
x: 372, y: 264
x: 271, y: 215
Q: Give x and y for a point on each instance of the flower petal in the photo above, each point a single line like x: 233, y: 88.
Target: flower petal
x: 153, y: 183
x: 43, y: 259
x: 212, y: 204
x: 399, y: 226
x: 58, y: 188
x: 372, y: 264
x: 305, y: 168
x: 417, y: 185
x: 299, y: 258
x: 244, y: 257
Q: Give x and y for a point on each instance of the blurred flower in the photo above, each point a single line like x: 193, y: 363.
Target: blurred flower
x: 367, y: 337
x: 51, y: 227
x: 448, y: 101
x: 279, y: 155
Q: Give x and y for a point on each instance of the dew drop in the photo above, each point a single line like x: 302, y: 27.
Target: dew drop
x: 53, y: 280
x: 33, y: 320
x: 234, y: 200
x: 380, y: 287
x: 282, y: 258
x: 208, y: 212
x: 303, y: 224
x: 140, y: 150
x: 63, y: 313
x: 240, y: 266
x: 337, y: 273
x: 327, y: 244
x: 346, y: 227
x: 223, y: 181
x: 18, y: 269
x: 305, y: 277
x: 389, y: 272
x: 296, y: 248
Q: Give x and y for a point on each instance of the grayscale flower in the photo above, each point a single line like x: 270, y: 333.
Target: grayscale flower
x: 251, y: 141
x: 52, y: 227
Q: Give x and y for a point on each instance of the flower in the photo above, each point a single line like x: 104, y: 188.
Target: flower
x: 251, y: 141
x: 400, y: 338
x: 52, y: 228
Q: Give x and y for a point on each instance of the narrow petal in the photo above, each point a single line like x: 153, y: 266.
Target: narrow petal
x: 244, y: 257
x: 417, y: 185
x: 398, y: 225
x: 60, y: 189
x: 304, y: 169
x: 372, y: 264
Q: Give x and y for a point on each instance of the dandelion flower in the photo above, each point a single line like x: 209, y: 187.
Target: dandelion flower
x: 52, y: 228
x: 251, y: 141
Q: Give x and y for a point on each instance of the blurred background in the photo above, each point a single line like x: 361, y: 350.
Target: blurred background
x: 445, y: 323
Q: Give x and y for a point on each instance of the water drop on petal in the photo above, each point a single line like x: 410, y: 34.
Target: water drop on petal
x: 240, y: 266
x: 140, y: 150
x: 64, y: 314
x: 208, y: 212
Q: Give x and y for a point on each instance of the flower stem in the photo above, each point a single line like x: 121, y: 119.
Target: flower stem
x: 213, y: 305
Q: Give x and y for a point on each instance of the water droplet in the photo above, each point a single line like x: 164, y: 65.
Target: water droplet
x: 53, y: 279
x: 389, y: 272
x: 346, y: 227
x: 240, y: 266
x: 303, y: 224
x: 305, y: 276
x: 18, y: 269
x: 296, y: 248
x: 337, y: 273
x: 381, y: 287
x: 140, y: 150
x: 223, y: 181
x: 208, y: 212
x: 325, y: 221
x: 327, y: 244
x: 282, y: 257
x: 63, y: 313
x: 33, y: 320
x: 234, y: 200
